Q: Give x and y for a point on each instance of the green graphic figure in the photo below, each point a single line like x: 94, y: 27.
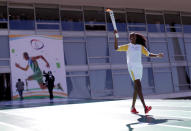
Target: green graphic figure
x: 33, y: 64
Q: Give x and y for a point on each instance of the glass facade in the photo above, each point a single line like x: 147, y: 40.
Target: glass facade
x: 72, y: 20
x: 94, y: 68
x: 155, y: 23
x: 21, y: 19
x: 94, y: 19
x: 3, y: 17
x: 47, y: 18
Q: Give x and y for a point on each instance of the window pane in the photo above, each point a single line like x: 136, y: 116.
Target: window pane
x: 74, y: 39
x: 117, y: 57
x: 4, y: 44
x: 98, y: 60
x: 120, y: 39
x: 72, y: 20
x: 120, y: 22
x: 188, y: 51
x: 48, y: 26
x: 101, y: 83
x: 157, y: 39
x: 186, y: 21
x: 78, y: 87
x: 47, y: 18
x: 21, y: 19
x: 155, y: 23
x: 147, y: 81
x: 122, y: 85
x: 136, y: 21
x: 176, y: 49
x: 173, y: 29
x: 48, y: 15
x: 4, y: 63
x: 159, y: 47
x: 75, y: 54
x: 94, y: 19
x: 163, y: 80
x: 181, y: 77
x: 97, y: 47
x: 134, y: 18
x: 173, y: 23
x: 146, y: 58
x: 137, y: 28
x: 3, y: 17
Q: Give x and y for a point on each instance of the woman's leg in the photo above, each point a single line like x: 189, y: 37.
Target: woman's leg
x: 134, y: 96
x: 139, y: 91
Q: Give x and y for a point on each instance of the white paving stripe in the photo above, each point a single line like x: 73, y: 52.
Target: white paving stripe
x: 170, y: 110
x: 170, y: 116
x: 141, y: 125
x: 183, y: 127
x: 16, y: 128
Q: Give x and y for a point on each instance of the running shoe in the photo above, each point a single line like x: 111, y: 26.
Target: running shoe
x: 147, y: 109
x: 134, y: 111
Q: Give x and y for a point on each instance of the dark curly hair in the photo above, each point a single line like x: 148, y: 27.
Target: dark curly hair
x: 140, y: 39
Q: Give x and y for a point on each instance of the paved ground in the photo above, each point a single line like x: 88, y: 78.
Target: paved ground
x: 88, y: 115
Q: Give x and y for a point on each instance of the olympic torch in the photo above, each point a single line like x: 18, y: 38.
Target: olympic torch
x: 113, y: 21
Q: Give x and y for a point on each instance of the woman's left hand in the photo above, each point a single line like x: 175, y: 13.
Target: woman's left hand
x: 160, y: 55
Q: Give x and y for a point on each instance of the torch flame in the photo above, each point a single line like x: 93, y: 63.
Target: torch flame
x: 108, y: 10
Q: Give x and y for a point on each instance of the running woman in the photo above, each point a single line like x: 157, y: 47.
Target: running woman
x: 134, y: 51
x: 32, y: 62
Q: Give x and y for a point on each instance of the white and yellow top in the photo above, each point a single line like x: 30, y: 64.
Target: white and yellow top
x: 134, y: 53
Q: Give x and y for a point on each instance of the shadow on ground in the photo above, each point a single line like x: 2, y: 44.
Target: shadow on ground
x: 150, y: 120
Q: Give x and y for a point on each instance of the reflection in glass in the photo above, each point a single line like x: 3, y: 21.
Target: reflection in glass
x: 101, y: 83
x: 21, y: 19
x: 4, y: 63
x: 47, y: 18
x: 120, y: 22
x: 159, y: 47
x: 98, y: 60
x: 147, y: 79
x: 186, y: 21
x: 4, y: 44
x: 97, y: 47
x: 3, y: 17
x: 181, y: 77
x: 188, y: 51
x: 75, y: 54
x: 117, y: 57
x: 155, y: 23
x: 48, y: 26
x: 78, y: 86
x: 173, y: 23
x: 136, y: 21
x: 176, y: 49
x: 122, y: 84
x: 177, y: 53
x: 94, y: 19
x: 72, y: 20
x: 163, y: 80
x: 47, y: 15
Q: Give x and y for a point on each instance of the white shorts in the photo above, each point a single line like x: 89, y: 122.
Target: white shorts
x: 135, y: 71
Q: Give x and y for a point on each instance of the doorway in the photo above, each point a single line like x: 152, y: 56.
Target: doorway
x: 5, y: 88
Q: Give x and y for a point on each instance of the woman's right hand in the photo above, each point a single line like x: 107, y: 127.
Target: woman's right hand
x: 115, y: 31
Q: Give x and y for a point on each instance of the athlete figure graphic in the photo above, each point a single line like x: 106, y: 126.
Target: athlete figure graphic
x: 33, y: 64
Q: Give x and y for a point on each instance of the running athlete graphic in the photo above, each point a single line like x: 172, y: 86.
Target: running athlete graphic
x: 134, y: 51
x: 32, y: 62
